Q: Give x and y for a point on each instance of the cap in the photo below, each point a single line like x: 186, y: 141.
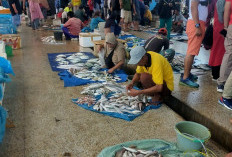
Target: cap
x: 163, y: 31
x: 136, y: 54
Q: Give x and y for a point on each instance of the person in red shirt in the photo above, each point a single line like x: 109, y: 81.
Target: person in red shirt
x: 72, y: 27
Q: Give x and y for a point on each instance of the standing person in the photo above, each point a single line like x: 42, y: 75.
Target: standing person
x: 44, y: 8
x: 106, y: 9
x: 76, y: 4
x: 147, y: 16
x: 126, y: 6
x: 65, y: 12
x: 196, y: 32
x: 218, y: 49
x: 111, y: 25
x: 72, y: 27
x: 16, y: 11
x: 115, y: 8
x: 226, y: 66
x: 226, y: 99
x: 91, y: 6
x: 165, y: 8
x: 36, y: 13
x: 136, y: 14
x: 153, y: 72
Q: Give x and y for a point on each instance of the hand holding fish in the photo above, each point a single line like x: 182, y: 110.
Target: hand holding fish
x: 110, y: 71
x: 134, y: 92
x: 129, y: 86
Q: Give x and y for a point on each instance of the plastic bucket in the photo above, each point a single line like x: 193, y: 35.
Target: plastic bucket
x: 191, y: 136
x: 9, y: 50
x: 58, y: 35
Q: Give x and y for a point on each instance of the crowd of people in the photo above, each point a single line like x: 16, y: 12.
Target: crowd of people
x: 119, y: 15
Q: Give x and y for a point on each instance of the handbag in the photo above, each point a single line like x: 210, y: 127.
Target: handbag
x: 208, y: 39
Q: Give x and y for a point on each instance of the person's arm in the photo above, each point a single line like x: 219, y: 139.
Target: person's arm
x: 148, y: 91
x: 220, y: 10
x: 195, y: 16
x: 135, y: 79
x: 14, y: 7
x: 227, y: 14
x: 68, y: 23
x: 117, y: 66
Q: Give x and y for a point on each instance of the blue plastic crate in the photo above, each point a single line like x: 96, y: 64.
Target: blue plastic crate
x: 6, y: 19
x: 7, y: 29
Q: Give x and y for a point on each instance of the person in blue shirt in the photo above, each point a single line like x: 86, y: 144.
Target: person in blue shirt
x: 95, y: 20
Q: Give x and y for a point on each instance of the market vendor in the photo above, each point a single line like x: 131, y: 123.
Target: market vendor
x: 153, y: 72
x: 72, y: 27
x: 114, y: 53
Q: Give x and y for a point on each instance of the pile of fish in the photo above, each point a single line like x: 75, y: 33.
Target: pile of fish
x: 103, y: 89
x: 132, y: 152
x: 120, y: 104
x: 114, y: 99
x: 86, y: 100
x: 50, y: 40
x: 72, y: 59
x: 96, y: 75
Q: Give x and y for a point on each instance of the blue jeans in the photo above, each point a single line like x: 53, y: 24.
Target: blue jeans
x: 35, y: 23
x: 67, y: 34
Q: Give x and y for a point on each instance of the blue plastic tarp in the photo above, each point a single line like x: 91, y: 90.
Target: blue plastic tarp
x: 135, y: 40
x: 70, y: 80
x: 54, y: 64
x: 6, y: 19
x: 124, y: 116
x: 3, y: 116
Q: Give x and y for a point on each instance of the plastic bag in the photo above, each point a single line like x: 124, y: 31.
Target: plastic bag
x: 6, y: 66
x: 101, y: 55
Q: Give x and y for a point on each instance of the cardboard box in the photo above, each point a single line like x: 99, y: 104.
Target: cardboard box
x: 13, y: 40
x: 86, y: 39
x: 5, y: 11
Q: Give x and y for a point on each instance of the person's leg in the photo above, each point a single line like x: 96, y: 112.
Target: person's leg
x: 33, y: 24
x: 162, y: 23
x: 188, y: 62
x: 215, y: 72
x: 66, y: 33
x: 226, y: 66
x: 169, y: 26
x: 147, y: 82
x: 228, y: 88
x: 36, y: 23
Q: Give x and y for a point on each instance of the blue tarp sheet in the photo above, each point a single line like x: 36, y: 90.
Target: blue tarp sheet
x: 54, y: 64
x: 3, y: 116
x: 125, y: 116
x: 136, y: 41
x: 70, y: 80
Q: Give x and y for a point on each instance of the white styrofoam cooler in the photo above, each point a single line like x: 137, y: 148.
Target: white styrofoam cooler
x: 85, y: 39
x: 2, y: 49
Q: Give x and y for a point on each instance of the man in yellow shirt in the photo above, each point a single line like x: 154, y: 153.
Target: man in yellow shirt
x: 154, y: 73
x: 76, y: 4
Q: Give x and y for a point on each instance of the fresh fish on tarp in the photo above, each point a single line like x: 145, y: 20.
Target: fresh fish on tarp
x: 86, y: 100
x: 133, y: 152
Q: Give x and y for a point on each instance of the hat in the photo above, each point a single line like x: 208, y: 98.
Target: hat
x: 110, y: 38
x: 163, y: 31
x: 136, y: 54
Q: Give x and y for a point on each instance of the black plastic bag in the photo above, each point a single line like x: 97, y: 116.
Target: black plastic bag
x: 208, y: 39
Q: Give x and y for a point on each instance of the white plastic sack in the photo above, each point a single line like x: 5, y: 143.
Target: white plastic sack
x: 101, y: 55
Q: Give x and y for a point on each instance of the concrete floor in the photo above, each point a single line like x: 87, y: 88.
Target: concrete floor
x: 49, y: 124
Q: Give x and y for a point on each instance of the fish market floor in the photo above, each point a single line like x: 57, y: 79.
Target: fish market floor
x: 48, y: 124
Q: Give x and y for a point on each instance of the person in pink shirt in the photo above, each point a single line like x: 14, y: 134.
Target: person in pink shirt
x: 36, y: 13
x: 72, y: 27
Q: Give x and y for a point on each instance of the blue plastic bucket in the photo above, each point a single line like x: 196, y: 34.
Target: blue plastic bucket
x: 191, y: 136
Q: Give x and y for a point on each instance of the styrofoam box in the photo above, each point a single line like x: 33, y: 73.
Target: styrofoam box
x: 56, y: 22
x: 85, y: 39
x: 2, y: 50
